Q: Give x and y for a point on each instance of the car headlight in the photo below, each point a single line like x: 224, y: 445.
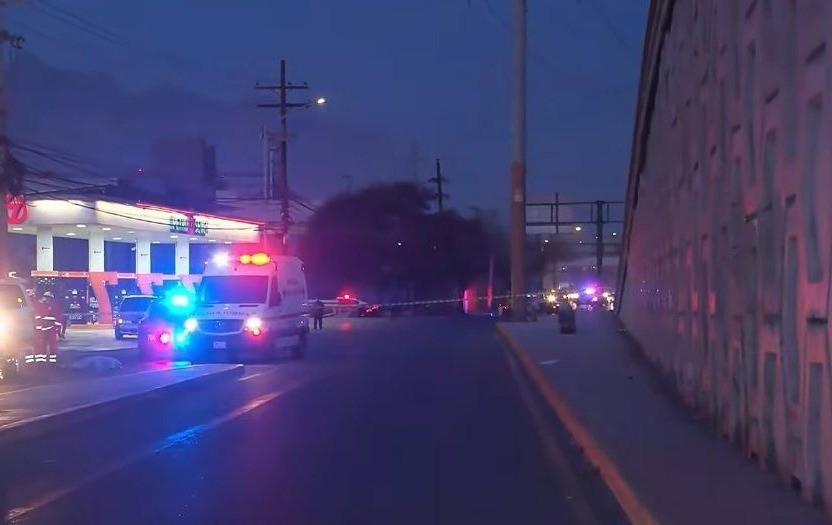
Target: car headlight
x: 254, y: 325
x: 191, y: 325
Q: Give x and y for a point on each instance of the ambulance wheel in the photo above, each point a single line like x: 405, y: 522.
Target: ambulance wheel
x: 299, y: 350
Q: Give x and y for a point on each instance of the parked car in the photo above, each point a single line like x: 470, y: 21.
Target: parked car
x: 128, y: 314
x: 163, y: 332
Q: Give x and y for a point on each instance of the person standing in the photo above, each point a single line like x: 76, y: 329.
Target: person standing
x: 318, y: 315
x: 48, y: 325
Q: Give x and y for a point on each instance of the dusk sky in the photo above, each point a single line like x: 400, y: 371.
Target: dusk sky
x: 431, y: 71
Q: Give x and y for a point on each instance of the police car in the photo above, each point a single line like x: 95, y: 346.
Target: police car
x: 251, y: 305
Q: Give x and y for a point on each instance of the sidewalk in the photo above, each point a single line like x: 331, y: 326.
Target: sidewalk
x: 32, y: 411
x: 660, y: 463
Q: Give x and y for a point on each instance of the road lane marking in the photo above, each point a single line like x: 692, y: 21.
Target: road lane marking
x: 250, y: 376
x: 552, y: 451
x: 172, y: 440
x: 549, y: 362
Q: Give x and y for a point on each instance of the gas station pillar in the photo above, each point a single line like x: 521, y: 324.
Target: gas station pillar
x: 182, y: 265
x: 142, y: 255
x: 96, y: 247
x: 44, y: 259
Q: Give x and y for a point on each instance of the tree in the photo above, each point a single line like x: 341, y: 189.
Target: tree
x: 382, y: 242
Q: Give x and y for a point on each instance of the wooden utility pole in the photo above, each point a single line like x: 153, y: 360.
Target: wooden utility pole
x: 281, y: 185
x: 517, y: 219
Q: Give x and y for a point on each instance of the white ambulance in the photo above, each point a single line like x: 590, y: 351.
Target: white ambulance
x: 249, y: 306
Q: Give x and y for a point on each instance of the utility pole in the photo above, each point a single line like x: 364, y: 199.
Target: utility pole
x: 438, y: 180
x: 10, y: 182
x: 599, y: 237
x: 282, y: 182
x: 267, y: 163
x: 517, y: 227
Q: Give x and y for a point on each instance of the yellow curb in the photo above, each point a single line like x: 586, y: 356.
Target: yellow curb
x: 636, y: 511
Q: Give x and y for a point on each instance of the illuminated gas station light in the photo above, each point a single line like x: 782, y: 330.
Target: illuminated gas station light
x: 221, y: 259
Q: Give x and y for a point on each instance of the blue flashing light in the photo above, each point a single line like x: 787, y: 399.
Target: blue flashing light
x: 181, y: 338
x: 180, y: 300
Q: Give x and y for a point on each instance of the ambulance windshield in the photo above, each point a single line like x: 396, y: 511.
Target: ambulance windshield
x: 233, y: 289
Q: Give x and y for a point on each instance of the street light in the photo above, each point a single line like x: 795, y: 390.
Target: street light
x: 577, y: 228
x: 321, y: 101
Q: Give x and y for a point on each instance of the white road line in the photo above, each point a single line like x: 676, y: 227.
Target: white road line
x: 549, y: 362
x: 171, y: 440
x: 250, y: 376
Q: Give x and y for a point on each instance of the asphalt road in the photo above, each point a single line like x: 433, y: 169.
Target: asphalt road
x: 400, y: 421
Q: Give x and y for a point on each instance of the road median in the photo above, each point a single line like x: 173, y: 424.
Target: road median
x: 35, y: 411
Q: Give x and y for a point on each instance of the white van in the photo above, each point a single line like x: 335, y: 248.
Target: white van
x: 249, y: 306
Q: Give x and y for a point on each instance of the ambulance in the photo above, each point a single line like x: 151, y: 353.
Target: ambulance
x: 249, y: 306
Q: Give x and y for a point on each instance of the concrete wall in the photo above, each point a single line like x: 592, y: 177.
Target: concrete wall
x: 729, y: 228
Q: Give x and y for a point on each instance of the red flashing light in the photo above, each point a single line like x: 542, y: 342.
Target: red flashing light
x: 346, y: 296
x: 165, y: 338
x: 256, y: 332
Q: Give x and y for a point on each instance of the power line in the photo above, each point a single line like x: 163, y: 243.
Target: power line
x: 81, y: 27
x: 537, y: 57
x: 78, y: 18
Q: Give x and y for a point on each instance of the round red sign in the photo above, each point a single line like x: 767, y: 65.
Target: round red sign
x: 17, y: 209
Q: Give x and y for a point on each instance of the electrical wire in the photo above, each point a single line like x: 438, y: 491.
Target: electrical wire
x: 541, y: 59
x: 78, y: 18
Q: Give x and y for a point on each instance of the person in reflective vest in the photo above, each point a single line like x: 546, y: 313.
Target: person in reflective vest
x: 47, y: 327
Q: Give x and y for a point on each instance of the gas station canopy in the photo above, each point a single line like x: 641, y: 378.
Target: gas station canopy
x: 117, y: 221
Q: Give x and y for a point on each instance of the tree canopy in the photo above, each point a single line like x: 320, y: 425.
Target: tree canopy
x: 384, y: 242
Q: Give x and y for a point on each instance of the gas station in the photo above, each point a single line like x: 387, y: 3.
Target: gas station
x: 141, y: 224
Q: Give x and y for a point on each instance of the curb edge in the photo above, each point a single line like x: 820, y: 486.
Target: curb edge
x: 47, y: 423
x: 635, y: 510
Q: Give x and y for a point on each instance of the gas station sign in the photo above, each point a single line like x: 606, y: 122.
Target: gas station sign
x: 16, y: 209
x: 187, y: 225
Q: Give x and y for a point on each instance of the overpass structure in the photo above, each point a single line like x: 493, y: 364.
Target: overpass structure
x: 725, y: 278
